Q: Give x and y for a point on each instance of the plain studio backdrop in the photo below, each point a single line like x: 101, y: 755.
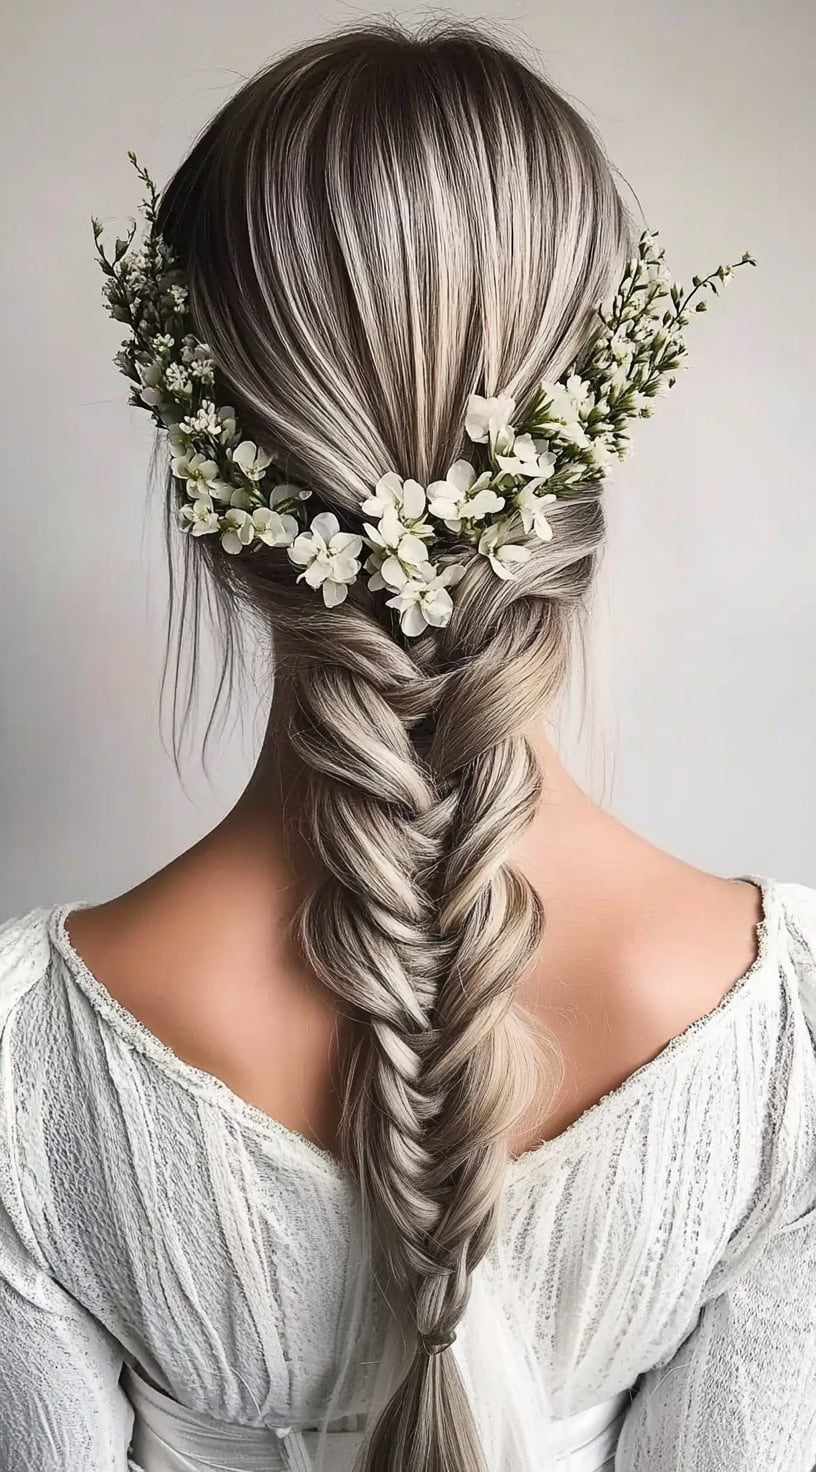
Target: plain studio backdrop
x: 700, y: 731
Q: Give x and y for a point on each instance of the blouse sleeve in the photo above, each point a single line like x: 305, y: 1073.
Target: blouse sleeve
x: 739, y: 1395
x: 61, y: 1407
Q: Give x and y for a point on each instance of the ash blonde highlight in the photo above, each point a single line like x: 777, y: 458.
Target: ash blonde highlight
x: 375, y: 227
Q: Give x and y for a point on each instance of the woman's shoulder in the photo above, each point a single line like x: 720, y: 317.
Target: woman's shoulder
x: 25, y: 955
x: 798, y: 905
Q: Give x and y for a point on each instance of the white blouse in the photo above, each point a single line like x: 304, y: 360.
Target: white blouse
x: 174, y: 1263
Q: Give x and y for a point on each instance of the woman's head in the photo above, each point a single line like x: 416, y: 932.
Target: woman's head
x: 373, y: 229
x: 377, y: 226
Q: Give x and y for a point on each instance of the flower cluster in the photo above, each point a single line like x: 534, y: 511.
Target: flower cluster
x: 419, y: 539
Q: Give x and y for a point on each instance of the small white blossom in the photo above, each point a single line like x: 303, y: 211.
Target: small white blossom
x: 407, y: 498
x: 567, y: 402
x: 394, y: 549
x: 489, y: 420
x: 239, y: 530
x: 203, y: 372
x: 641, y: 403
x: 273, y: 529
x: 501, y: 554
x: 531, y: 510
x: 227, y: 425
x: 328, y: 557
x: 530, y: 457
x: 152, y: 376
x: 204, y: 421
x: 463, y: 495
x: 618, y: 378
x: 621, y: 346
x: 423, y: 598
x: 178, y: 382
x: 198, y: 517
x: 201, y: 475
x: 602, y: 456
x: 285, y: 492
x: 179, y: 296
x: 251, y: 460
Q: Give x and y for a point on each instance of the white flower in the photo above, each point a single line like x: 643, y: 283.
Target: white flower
x: 530, y: 457
x: 199, y: 517
x: 239, y: 530
x: 423, y: 598
x: 500, y: 553
x: 203, y: 370
x: 641, y: 403
x: 463, y: 495
x: 201, y: 475
x: 178, y: 382
x: 285, y: 492
x: 328, y: 556
x: 272, y: 528
x: 567, y: 403
x: 490, y: 420
x: 621, y: 346
x: 580, y: 391
x: 532, y: 515
x: 204, y: 421
x: 227, y: 424
x: 619, y: 377
x: 152, y: 376
x: 251, y: 460
x: 394, y: 549
x: 407, y: 498
x: 601, y: 455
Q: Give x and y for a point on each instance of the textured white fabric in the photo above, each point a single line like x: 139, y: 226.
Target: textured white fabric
x: 663, y: 1245
x: 169, y: 1438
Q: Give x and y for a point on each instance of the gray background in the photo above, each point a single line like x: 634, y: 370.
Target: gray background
x: 700, y: 732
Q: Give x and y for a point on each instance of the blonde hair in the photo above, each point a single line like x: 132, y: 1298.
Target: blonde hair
x: 374, y: 227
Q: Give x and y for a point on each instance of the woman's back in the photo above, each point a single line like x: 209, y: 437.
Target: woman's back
x: 150, y: 1212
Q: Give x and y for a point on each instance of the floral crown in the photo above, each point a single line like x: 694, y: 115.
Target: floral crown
x: 419, y: 538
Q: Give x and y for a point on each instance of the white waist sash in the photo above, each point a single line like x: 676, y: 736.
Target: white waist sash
x: 167, y: 1437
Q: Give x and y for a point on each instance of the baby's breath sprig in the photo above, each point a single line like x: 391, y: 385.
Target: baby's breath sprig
x: 220, y: 474
x: 419, y: 539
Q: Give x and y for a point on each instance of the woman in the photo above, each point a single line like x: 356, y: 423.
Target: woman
x: 422, y: 1116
